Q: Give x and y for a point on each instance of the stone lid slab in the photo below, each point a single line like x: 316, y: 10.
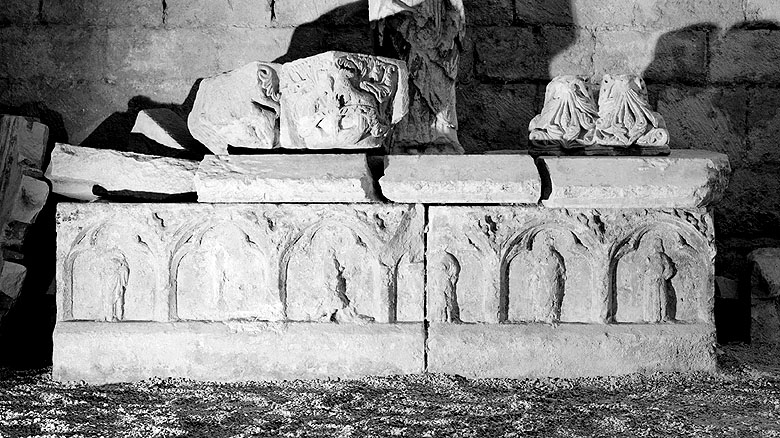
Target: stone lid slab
x: 461, y: 179
x: 305, y: 178
x: 687, y: 178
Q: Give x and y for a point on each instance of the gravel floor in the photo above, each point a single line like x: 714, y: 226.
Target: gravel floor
x: 742, y: 400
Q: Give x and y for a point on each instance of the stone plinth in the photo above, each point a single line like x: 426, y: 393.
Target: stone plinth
x: 75, y: 171
x: 284, y: 178
x: 233, y: 351
x: 684, y: 179
x: 568, y: 350
x: 461, y: 179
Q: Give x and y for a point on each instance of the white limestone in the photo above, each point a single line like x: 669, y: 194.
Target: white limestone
x: 346, y: 263
x: 684, y: 179
x: 461, y: 179
x: 284, y: 178
x: 166, y: 128
x: 239, y: 108
x: 568, y: 118
x: 74, y: 171
x: 338, y: 100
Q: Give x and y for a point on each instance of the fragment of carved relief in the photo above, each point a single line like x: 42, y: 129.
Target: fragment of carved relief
x: 625, y: 118
x: 663, y: 269
x: 515, y: 264
x: 239, y: 108
x: 338, y: 100
x: 323, y: 263
x: 568, y: 118
x: 426, y: 35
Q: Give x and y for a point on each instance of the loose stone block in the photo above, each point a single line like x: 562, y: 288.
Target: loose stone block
x: 100, y: 353
x: 11, y: 279
x: 284, y: 178
x: 461, y: 179
x: 684, y: 179
x: 338, y: 100
x: 540, y: 350
x: 74, y: 171
x: 165, y: 127
x: 504, y: 264
x: 239, y: 108
x: 176, y: 262
x: 765, y: 296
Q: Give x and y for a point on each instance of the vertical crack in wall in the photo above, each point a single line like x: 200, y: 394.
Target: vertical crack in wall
x: 426, y: 323
x: 40, y: 12
x: 164, y: 11
x: 272, y: 7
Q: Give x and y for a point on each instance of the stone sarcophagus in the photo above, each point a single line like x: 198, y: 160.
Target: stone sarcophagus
x: 497, y: 272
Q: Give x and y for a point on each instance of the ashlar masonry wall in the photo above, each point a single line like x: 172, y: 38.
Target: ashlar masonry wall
x: 711, y: 67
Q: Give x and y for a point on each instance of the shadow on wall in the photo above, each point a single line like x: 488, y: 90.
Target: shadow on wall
x: 717, y: 90
x: 345, y: 28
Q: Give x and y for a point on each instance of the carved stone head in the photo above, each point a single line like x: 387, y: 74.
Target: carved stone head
x: 341, y: 100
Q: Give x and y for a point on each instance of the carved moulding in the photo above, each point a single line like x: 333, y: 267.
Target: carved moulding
x: 341, y: 100
x: 568, y: 118
x: 527, y: 264
x: 266, y: 262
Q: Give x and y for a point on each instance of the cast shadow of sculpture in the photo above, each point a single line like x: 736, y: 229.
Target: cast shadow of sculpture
x: 717, y: 104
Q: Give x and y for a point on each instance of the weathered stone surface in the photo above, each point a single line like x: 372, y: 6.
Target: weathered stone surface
x: 210, y: 14
x: 765, y: 277
x: 168, y: 262
x: 461, y: 179
x: 239, y: 108
x: 74, y: 171
x: 233, y: 351
x: 165, y: 127
x: 498, y: 116
x: 284, y: 178
x: 11, y: 279
x: 28, y: 137
x: 525, y: 264
x: 685, y: 179
x: 103, y: 12
x: 741, y: 54
x: 568, y: 118
x: 540, y: 350
x: 625, y: 119
x: 27, y: 202
x: 338, y: 100
x: 726, y: 288
x: 426, y: 35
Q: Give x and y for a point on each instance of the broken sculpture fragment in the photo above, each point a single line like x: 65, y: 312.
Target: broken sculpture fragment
x: 568, y: 118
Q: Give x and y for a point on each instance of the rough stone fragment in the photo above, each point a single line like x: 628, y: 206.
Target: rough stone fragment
x: 426, y: 35
x: 461, y: 179
x: 74, y: 171
x: 342, y: 263
x: 540, y: 350
x: 30, y: 200
x: 165, y: 127
x: 28, y: 137
x: 503, y: 264
x: 568, y: 119
x: 338, y: 100
x: 625, y: 119
x: 11, y: 278
x: 239, y: 108
x: 726, y: 288
x: 233, y: 351
x: 284, y: 178
x: 765, y: 296
x: 684, y: 179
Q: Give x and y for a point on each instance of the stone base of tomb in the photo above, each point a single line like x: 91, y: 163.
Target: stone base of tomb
x: 102, y: 352
x: 568, y: 350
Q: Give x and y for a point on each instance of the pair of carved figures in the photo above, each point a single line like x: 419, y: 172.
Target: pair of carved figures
x: 622, y: 122
x: 333, y: 100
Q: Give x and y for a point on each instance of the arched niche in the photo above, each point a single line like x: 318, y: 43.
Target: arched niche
x: 112, y: 275
x: 661, y: 273
x: 409, y: 284
x: 332, y: 273
x: 221, y: 272
x: 548, y: 275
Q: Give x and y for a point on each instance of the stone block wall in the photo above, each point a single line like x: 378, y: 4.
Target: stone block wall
x: 711, y: 67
